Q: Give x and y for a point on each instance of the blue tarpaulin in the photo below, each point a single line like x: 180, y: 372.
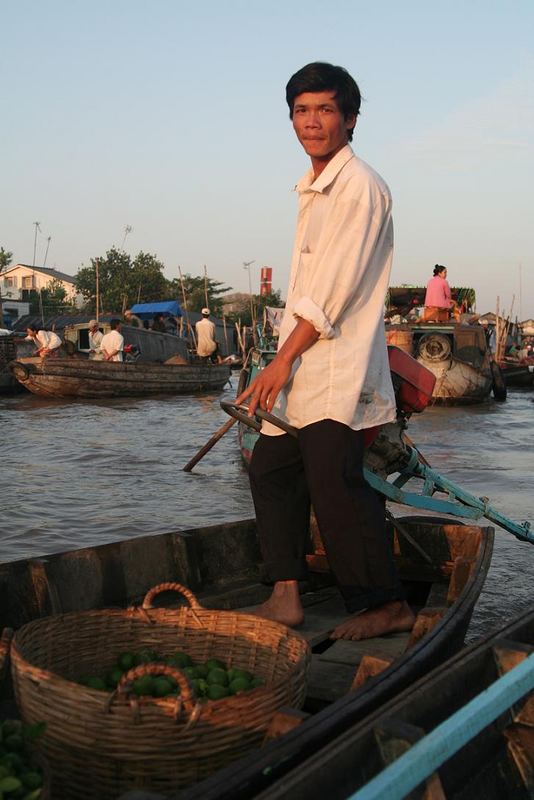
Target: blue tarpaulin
x: 169, y: 308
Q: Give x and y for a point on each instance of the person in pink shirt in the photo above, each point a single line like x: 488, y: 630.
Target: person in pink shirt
x: 438, y: 302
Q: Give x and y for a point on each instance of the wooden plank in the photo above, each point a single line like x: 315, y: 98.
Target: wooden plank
x: 394, y: 738
x: 520, y: 747
x: 326, y: 681
x: 351, y: 653
x: 459, y: 578
x: 368, y: 668
x: 508, y: 654
x: 425, y: 621
x: 285, y: 719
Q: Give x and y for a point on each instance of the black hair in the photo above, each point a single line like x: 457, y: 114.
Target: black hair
x: 114, y: 323
x: 321, y: 77
x: 35, y: 328
x: 438, y: 268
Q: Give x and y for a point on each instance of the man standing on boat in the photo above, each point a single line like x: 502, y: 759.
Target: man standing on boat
x: 95, y: 341
x: 112, y: 344
x: 330, y: 377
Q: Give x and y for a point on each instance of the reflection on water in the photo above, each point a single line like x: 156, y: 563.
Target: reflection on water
x: 79, y: 473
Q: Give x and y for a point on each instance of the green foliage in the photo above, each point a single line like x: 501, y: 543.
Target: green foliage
x: 5, y: 258
x: 123, y: 282
x: 243, y: 313
x: 196, y: 289
x: 51, y: 300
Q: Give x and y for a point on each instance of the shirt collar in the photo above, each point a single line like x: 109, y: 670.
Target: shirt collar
x: 328, y: 175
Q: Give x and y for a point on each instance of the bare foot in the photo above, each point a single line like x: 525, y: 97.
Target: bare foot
x: 392, y: 617
x: 283, y: 605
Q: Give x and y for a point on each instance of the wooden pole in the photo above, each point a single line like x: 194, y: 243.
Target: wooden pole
x: 97, y: 279
x: 184, y: 297
x: 225, y: 335
x: 209, y: 444
x: 206, y: 286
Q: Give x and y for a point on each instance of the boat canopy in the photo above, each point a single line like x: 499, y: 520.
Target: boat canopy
x: 169, y: 308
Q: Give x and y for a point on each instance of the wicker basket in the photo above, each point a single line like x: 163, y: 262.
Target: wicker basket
x: 101, y: 744
x: 5, y: 644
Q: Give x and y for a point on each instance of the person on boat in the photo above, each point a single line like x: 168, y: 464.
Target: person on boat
x: 207, y: 346
x: 95, y: 341
x: 132, y: 319
x: 48, y: 343
x: 330, y: 377
x: 112, y: 344
x: 438, y: 302
x: 158, y: 323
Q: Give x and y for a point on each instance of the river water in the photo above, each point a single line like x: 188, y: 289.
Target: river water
x: 86, y: 472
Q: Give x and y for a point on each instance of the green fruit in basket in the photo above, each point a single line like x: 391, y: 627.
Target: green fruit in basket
x: 146, y: 656
x: 143, y: 685
x: 10, y: 784
x: 31, y: 780
x: 12, y: 761
x: 217, y: 692
x: 202, y: 670
x: 94, y: 682
x: 255, y: 682
x: 191, y: 672
x: 217, y: 676
x: 215, y: 663
x: 11, y: 726
x: 35, y: 795
x: 13, y: 742
x: 162, y: 687
x: 180, y: 660
x: 239, y: 685
x: 126, y: 661
x: 199, y: 686
x: 242, y: 673
x: 113, y: 677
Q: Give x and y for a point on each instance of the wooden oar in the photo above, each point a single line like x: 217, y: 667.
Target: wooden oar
x: 209, y: 444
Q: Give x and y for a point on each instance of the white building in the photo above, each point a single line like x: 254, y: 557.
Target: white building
x: 17, y: 280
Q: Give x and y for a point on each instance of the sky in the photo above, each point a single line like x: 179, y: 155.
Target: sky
x: 161, y: 126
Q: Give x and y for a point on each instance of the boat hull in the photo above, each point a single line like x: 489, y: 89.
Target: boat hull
x: 221, y: 565
x: 457, y: 355
x: 78, y: 377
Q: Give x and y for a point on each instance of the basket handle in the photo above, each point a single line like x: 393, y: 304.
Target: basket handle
x: 170, y: 587
x: 185, y: 699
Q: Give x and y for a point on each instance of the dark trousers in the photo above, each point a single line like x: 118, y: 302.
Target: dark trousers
x: 324, y: 467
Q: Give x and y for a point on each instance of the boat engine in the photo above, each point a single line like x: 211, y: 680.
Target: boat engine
x: 413, y: 383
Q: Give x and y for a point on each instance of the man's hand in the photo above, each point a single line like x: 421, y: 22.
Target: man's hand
x: 265, y: 388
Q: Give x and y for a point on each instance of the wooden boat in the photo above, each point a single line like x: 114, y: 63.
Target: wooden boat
x: 457, y: 355
x: 442, y: 565
x: 80, y: 377
x: 463, y: 731
x: 518, y: 372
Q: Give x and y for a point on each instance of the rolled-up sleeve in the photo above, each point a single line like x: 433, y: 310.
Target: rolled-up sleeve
x: 307, y: 309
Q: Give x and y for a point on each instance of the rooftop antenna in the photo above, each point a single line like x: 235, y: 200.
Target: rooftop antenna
x: 246, y: 265
x: 37, y: 228
x: 46, y: 253
x: 128, y: 229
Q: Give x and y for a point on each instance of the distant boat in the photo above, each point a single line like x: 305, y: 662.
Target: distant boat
x: 81, y: 377
x: 457, y: 354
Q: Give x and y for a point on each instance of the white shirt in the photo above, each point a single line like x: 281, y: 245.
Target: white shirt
x: 112, y: 341
x: 48, y: 339
x: 339, y: 277
x: 206, y: 343
x: 95, y: 340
